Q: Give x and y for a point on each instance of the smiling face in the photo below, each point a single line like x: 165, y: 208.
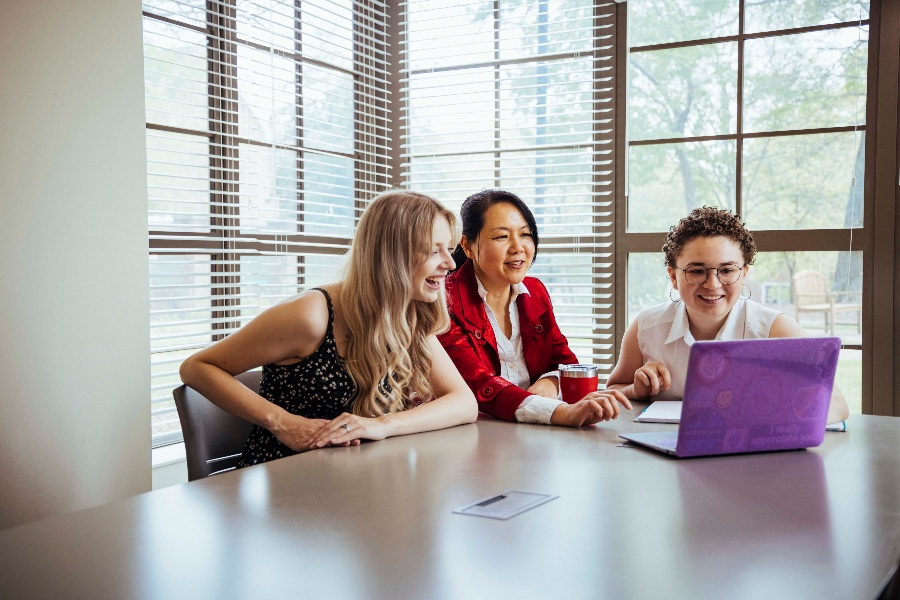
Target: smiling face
x: 428, y: 278
x: 711, y: 301
x: 503, y: 252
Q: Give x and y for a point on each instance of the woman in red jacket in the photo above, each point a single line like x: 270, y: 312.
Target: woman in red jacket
x: 503, y: 336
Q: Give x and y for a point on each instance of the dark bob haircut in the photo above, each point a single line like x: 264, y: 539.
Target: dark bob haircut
x: 472, y: 216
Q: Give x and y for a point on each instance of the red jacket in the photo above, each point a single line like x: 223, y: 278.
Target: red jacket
x: 471, y: 344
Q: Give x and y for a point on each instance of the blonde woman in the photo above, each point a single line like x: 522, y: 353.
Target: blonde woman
x: 358, y: 359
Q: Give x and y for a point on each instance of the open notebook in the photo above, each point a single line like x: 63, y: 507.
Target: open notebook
x: 669, y: 411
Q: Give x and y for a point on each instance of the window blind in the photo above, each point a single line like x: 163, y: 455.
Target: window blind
x: 519, y: 96
x: 267, y: 131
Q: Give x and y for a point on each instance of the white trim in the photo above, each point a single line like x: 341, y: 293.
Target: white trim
x: 167, y: 455
x: 169, y: 465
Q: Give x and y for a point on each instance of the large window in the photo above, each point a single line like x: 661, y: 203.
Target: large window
x: 520, y: 96
x: 269, y: 125
x: 758, y: 107
x: 266, y: 133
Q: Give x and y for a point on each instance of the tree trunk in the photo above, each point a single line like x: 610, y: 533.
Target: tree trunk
x: 848, y: 273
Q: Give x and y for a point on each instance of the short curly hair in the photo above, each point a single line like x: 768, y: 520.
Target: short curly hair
x: 708, y: 222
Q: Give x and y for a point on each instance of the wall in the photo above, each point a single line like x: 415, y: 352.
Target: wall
x: 74, y: 368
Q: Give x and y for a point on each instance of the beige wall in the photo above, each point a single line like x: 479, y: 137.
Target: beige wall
x: 74, y: 347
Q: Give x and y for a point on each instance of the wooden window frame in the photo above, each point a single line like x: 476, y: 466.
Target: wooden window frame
x: 876, y: 239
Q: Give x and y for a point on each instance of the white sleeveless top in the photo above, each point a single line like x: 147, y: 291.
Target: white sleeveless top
x: 664, y: 336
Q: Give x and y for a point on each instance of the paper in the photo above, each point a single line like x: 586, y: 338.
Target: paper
x: 669, y: 411
x: 661, y: 411
x: 505, y: 505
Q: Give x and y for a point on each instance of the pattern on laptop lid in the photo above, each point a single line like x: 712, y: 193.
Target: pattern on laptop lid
x: 751, y: 395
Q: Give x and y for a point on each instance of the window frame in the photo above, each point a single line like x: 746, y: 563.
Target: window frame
x: 876, y: 239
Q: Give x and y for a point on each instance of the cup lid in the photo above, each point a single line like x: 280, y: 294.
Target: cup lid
x: 577, y: 370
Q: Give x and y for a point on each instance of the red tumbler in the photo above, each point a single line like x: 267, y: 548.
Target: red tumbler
x: 577, y: 381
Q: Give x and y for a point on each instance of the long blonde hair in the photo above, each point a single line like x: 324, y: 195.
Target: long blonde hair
x: 388, y: 356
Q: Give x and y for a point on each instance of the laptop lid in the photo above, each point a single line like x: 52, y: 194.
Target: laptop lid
x: 756, y: 395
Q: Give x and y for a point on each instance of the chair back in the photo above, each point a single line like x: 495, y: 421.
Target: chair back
x: 213, y: 438
x: 810, y: 287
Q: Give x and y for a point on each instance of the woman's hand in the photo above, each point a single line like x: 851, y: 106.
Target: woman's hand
x: 593, y: 408
x: 296, y: 432
x: 348, y: 429
x: 548, y: 387
x: 651, y: 379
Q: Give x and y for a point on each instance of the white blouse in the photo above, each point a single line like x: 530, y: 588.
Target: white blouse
x: 534, y: 408
x: 664, y: 336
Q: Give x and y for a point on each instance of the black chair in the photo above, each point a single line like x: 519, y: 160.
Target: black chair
x: 213, y: 438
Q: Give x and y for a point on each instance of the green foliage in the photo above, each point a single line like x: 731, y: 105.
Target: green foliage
x: 810, y: 80
x: 663, y: 21
x: 790, y: 82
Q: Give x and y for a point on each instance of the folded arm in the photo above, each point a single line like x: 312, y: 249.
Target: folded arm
x: 453, y: 404
x: 539, y: 404
x: 495, y: 395
x: 290, y: 330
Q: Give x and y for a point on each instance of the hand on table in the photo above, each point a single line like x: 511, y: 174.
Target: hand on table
x: 348, y: 430
x: 546, y: 387
x: 296, y: 432
x: 593, y: 408
x: 651, y: 379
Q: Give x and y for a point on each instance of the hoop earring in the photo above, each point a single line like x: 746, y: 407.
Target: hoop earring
x: 677, y: 297
x: 749, y: 292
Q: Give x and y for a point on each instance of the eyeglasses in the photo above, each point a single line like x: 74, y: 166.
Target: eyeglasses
x: 726, y: 274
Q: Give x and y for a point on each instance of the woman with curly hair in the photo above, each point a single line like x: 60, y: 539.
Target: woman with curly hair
x: 357, y: 359
x: 708, y: 255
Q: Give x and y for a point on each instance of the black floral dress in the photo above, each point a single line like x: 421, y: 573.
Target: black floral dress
x: 317, y: 387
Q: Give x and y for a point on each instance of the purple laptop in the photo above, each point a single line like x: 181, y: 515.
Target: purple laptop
x: 751, y: 396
